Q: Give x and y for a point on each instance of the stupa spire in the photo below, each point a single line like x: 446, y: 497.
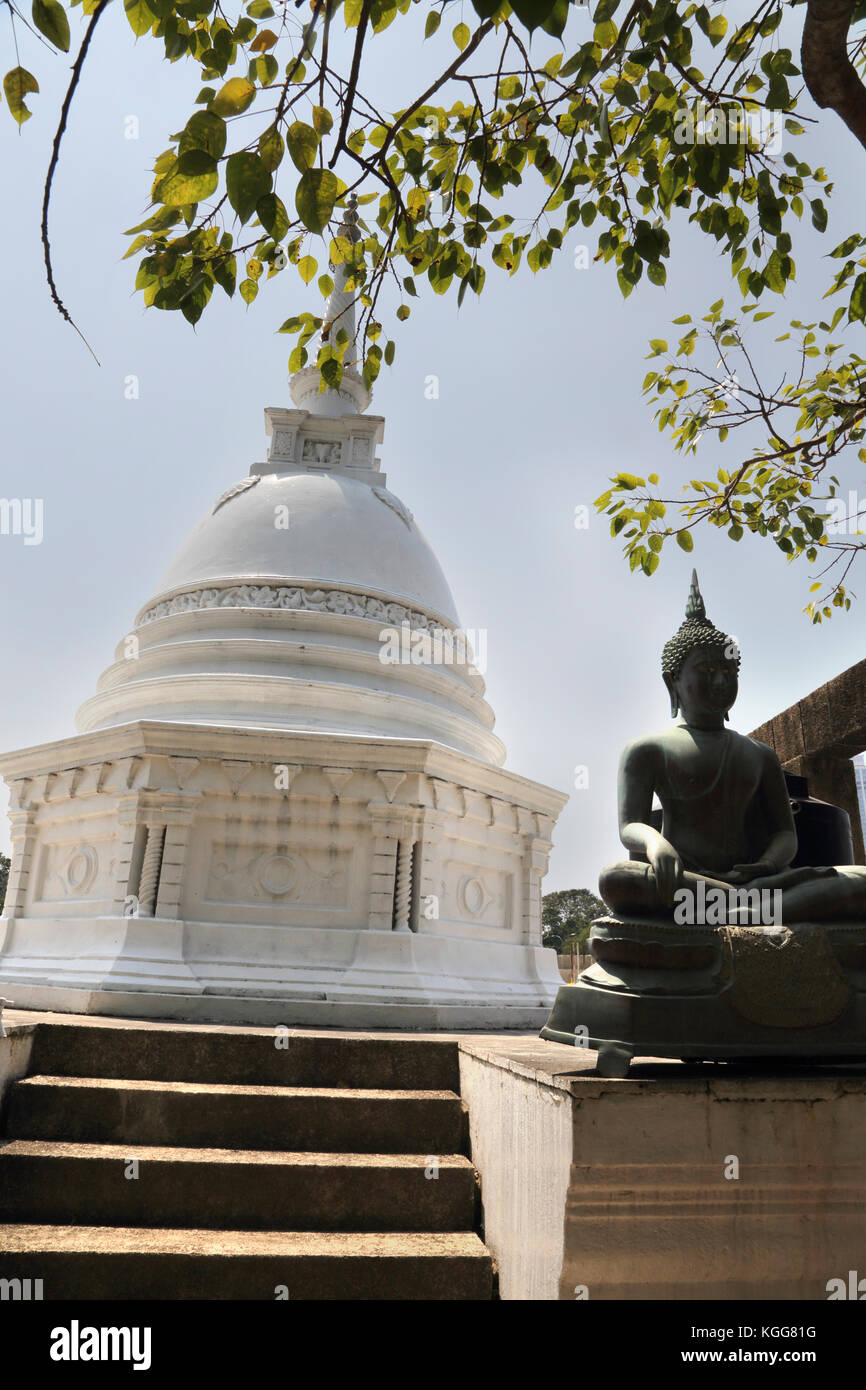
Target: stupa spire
x: 353, y: 396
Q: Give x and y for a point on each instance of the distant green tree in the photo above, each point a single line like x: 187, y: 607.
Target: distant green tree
x: 4, y: 878
x: 567, y: 916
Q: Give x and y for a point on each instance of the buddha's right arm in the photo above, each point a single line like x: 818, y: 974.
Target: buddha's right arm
x: 635, y: 786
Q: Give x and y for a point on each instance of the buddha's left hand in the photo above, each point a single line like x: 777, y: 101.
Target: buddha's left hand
x: 744, y: 873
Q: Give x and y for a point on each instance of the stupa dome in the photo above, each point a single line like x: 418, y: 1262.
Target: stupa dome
x: 307, y: 599
x: 336, y: 528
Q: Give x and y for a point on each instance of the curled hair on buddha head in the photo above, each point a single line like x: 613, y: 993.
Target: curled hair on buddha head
x: 695, y: 632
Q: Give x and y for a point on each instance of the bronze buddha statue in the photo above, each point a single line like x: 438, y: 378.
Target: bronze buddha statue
x: 726, y: 813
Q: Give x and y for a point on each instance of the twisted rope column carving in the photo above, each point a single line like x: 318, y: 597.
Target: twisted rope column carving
x: 403, y: 886
x: 150, y: 868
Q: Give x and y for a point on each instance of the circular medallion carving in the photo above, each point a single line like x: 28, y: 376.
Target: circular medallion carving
x: 278, y: 874
x: 81, y: 869
x: 474, y: 897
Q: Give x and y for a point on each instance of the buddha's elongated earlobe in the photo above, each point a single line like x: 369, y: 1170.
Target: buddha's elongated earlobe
x: 672, y: 692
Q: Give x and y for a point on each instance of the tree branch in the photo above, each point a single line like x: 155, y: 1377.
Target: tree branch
x: 55, y: 152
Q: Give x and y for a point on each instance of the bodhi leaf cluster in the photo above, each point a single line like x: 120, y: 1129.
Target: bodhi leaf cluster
x: 539, y: 120
x: 787, y: 487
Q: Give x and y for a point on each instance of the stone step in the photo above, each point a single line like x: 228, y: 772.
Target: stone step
x: 153, y: 1052
x: 110, y: 1262
x: 189, y: 1115
x: 86, y: 1184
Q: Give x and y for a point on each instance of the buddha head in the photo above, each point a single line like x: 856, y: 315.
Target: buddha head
x: 700, y: 665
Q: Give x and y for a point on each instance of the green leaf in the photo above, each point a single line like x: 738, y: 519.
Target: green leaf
x: 272, y: 214
x: 141, y: 17
x: 315, y: 197
x: 434, y: 19
x: 857, y: 304
x: 271, y: 149
x: 684, y: 541
x: 248, y: 289
x: 532, y: 13
x: 50, y: 19
x: 247, y: 180
x: 193, y: 178
x: 303, y: 145
x: 605, y: 33
x: 16, y: 85
x: 203, y: 131
x: 234, y: 97
x: 461, y: 36
x: 260, y: 9
x: 266, y: 69
x: 225, y: 274
x: 307, y: 268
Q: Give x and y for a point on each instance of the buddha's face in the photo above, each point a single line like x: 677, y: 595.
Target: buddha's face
x: 706, y: 687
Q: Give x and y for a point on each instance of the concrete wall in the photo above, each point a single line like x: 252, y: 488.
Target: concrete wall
x: 676, y: 1183
x: 818, y: 736
x: 521, y: 1135
x: 15, y: 1051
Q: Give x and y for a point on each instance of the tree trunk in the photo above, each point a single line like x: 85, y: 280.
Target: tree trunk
x: 828, y: 72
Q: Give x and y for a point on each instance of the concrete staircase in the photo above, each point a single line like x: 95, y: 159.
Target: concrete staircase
x: 154, y: 1162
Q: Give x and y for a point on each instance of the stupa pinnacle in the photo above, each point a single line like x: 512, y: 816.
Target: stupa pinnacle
x: 353, y: 396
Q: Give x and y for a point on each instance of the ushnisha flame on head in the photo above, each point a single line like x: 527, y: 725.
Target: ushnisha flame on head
x: 696, y: 631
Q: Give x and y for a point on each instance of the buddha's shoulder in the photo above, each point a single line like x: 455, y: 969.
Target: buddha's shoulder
x: 648, y: 746
x: 757, y: 748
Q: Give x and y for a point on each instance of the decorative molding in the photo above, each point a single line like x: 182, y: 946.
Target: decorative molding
x: 473, y: 895
x: 395, y: 504
x: 277, y: 874
x: 526, y: 822
x: 129, y: 769
x: 403, y: 885
x: 391, y: 781
x: 476, y: 804
x: 19, y: 793
x: 80, y: 869
x: 235, y: 770
x: 441, y: 788
x: 282, y: 448
x: 307, y: 598
x: 337, y: 777
x: 324, y: 453
x: 243, y: 486
x: 183, y: 768
x: 148, y: 887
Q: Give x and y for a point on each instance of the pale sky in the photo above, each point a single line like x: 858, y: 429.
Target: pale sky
x: 539, y: 402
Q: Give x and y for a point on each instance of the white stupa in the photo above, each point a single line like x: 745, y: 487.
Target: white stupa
x: 262, y: 820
